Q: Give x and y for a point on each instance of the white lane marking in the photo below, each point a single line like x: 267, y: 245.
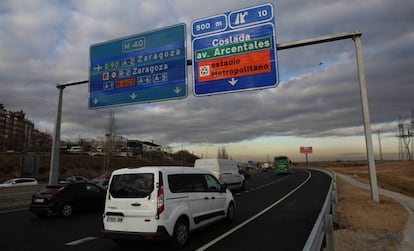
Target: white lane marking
x: 78, y: 242
x: 211, y: 243
x: 261, y: 186
x: 14, y: 210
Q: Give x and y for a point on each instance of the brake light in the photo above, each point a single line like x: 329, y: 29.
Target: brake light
x: 58, y: 191
x: 160, y: 200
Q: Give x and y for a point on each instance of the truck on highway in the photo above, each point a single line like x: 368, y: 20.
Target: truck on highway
x: 281, y: 164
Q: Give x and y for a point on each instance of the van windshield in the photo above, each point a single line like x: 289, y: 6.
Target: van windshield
x: 137, y: 185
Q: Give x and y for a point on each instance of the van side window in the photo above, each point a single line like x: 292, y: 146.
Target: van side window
x: 176, y: 184
x: 180, y: 183
x: 212, y: 183
x: 137, y: 185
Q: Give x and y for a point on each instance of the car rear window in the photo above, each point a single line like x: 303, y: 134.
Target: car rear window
x: 137, y: 185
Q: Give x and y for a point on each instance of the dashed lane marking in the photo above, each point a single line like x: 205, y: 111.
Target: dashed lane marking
x: 80, y: 241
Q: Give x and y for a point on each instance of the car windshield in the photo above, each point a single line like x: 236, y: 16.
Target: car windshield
x: 137, y: 185
x: 8, y: 181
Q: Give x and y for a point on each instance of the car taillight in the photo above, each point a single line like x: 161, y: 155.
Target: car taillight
x: 58, y: 191
x: 160, y: 200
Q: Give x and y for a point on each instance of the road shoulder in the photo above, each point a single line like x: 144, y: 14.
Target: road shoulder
x: 367, y: 225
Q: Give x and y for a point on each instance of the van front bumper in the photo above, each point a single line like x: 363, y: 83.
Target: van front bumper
x: 161, y: 234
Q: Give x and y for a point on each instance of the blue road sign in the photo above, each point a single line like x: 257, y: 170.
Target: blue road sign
x: 141, y: 68
x: 234, y: 54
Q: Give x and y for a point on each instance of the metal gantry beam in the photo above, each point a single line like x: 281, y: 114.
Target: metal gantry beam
x: 318, y: 40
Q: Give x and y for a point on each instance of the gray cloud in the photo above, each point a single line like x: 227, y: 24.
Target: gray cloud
x: 46, y: 42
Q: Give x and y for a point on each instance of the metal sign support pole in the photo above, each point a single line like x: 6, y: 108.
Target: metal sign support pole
x: 55, y: 155
x: 356, y: 36
x: 367, y: 123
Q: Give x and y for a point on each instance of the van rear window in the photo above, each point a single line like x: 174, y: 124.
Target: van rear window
x: 137, y: 185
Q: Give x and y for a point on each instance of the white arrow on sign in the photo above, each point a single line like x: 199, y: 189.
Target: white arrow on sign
x: 177, y: 90
x: 133, y: 95
x: 233, y: 81
x: 95, y: 101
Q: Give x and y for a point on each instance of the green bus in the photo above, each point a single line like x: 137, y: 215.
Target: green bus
x: 281, y: 164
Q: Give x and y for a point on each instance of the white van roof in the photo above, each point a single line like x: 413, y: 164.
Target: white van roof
x: 216, y: 161
x: 149, y: 169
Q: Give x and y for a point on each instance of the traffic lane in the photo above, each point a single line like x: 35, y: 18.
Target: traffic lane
x: 24, y: 231
x: 83, y: 231
x: 253, y: 200
x: 272, y: 188
x: 287, y: 225
x: 17, y: 197
x: 255, y: 191
x: 261, y: 191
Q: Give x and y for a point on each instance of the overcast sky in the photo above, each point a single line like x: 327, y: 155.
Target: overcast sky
x: 317, y: 102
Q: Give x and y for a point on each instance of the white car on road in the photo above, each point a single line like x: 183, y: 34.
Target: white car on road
x: 19, y: 182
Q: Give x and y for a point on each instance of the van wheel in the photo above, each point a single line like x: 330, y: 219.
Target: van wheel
x: 231, y: 212
x: 181, y: 233
x: 66, y: 210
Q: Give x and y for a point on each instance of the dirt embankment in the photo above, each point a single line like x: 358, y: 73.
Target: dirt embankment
x: 85, y: 165
x: 365, y: 224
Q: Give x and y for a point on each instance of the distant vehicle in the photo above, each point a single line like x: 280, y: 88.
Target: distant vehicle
x: 65, y: 198
x: 102, y: 180
x: 77, y: 178
x: 75, y: 149
x: 19, y: 182
x: 245, y: 171
x: 102, y: 183
x: 225, y: 170
x: 281, y: 164
x: 163, y: 202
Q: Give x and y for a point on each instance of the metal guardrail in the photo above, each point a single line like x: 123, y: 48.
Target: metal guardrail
x: 322, y: 234
x: 20, y: 196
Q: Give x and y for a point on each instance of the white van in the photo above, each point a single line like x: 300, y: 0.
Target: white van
x: 163, y: 202
x: 225, y: 170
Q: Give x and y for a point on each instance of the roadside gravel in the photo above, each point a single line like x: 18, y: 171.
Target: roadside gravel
x: 378, y: 239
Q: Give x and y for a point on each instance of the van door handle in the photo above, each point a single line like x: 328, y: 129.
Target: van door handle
x: 136, y: 204
x: 206, y: 198
x: 213, y: 198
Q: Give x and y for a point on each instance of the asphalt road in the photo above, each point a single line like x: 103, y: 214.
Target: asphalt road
x: 275, y: 212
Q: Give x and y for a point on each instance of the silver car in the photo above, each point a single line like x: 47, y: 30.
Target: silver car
x: 19, y: 182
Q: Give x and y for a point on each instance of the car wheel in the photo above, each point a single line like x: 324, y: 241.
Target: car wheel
x: 231, y: 212
x: 66, y: 210
x: 181, y: 233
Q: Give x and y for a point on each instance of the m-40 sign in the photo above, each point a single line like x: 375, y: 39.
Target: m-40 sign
x: 234, y: 51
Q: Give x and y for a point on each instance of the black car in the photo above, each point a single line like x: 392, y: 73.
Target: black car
x: 65, y: 198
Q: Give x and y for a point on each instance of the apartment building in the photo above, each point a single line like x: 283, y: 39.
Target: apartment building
x: 17, y: 133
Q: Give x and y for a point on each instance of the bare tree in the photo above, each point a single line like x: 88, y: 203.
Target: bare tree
x: 222, y: 153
